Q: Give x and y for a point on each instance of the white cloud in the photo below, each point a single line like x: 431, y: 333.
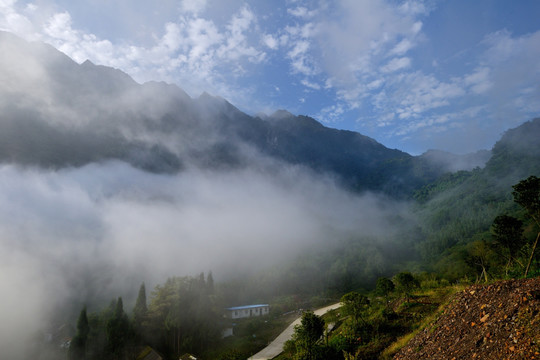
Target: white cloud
x: 409, y: 96
x: 479, y: 80
x: 365, y: 31
x: 413, y: 7
x: 375, y: 84
x: 508, y: 66
x: 193, y: 51
x: 236, y: 45
x: 270, y: 41
x: 311, y: 85
x: 416, y: 27
x: 193, y: 6
x: 331, y: 114
x: 12, y: 20
x: 299, y: 39
x: 59, y: 28
x: 402, y: 47
x: 302, y: 12
x: 396, y: 64
x: 300, y: 48
x: 301, y: 61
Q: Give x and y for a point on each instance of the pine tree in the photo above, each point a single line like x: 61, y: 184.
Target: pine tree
x: 508, y: 234
x: 210, y: 283
x: 118, y: 331
x: 140, y: 310
x: 77, y: 349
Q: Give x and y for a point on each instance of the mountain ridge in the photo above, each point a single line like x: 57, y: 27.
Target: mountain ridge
x: 118, y: 118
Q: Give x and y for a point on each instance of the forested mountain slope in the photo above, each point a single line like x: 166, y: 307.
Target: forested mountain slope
x: 460, y: 207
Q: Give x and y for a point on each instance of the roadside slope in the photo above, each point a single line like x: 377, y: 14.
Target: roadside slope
x: 496, y: 321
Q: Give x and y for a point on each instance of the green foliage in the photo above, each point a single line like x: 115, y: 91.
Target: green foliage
x: 508, y: 238
x: 406, y: 283
x: 480, y: 256
x: 444, y: 183
x: 382, y: 326
x: 77, y: 349
x: 306, y: 335
x: 527, y: 194
x: 384, y: 287
x: 508, y: 233
x: 183, y: 316
x: 210, y: 283
x: 355, y: 304
x: 457, y: 207
x: 140, y: 311
x: 232, y: 355
x: 118, y: 331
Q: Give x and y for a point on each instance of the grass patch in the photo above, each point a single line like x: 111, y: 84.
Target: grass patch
x: 439, y: 298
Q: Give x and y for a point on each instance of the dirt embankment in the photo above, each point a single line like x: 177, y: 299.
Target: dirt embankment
x: 497, y: 321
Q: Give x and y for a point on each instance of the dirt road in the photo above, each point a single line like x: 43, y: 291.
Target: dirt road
x: 276, y: 346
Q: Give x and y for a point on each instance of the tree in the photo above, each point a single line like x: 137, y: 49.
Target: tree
x: 77, y: 348
x: 210, y: 283
x: 508, y: 234
x: 140, y: 311
x: 384, y: 287
x: 183, y: 317
x: 527, y: 194
x: 479, y: 255
x: 355, y: 304
x: 406, y: 283
x: 307, y: 334
x: 118, y: 331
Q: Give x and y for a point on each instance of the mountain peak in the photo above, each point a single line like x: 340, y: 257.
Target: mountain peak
x: 281, y: 114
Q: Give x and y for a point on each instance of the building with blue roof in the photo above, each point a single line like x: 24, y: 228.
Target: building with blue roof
x: 239, y: 312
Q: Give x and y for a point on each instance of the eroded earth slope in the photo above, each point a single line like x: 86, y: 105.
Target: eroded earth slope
x: 496, y: 321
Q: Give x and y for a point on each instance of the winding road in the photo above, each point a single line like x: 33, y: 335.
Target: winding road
x: 276, y: 347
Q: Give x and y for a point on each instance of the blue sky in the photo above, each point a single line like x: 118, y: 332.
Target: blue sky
x: 415, y: 75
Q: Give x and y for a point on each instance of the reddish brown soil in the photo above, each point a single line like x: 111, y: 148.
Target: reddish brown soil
x: 497, y: 321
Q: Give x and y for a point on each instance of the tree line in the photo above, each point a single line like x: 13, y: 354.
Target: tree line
x: 182, y: 316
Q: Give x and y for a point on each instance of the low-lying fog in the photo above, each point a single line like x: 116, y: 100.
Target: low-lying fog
x: 96, y: 232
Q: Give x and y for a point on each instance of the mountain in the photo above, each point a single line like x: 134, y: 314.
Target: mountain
x: 57, y: 113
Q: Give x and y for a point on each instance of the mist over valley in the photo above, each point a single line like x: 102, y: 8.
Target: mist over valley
x: 107, y: 183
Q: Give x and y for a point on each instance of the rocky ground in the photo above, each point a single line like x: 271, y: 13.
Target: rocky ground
x: 496, y: 321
